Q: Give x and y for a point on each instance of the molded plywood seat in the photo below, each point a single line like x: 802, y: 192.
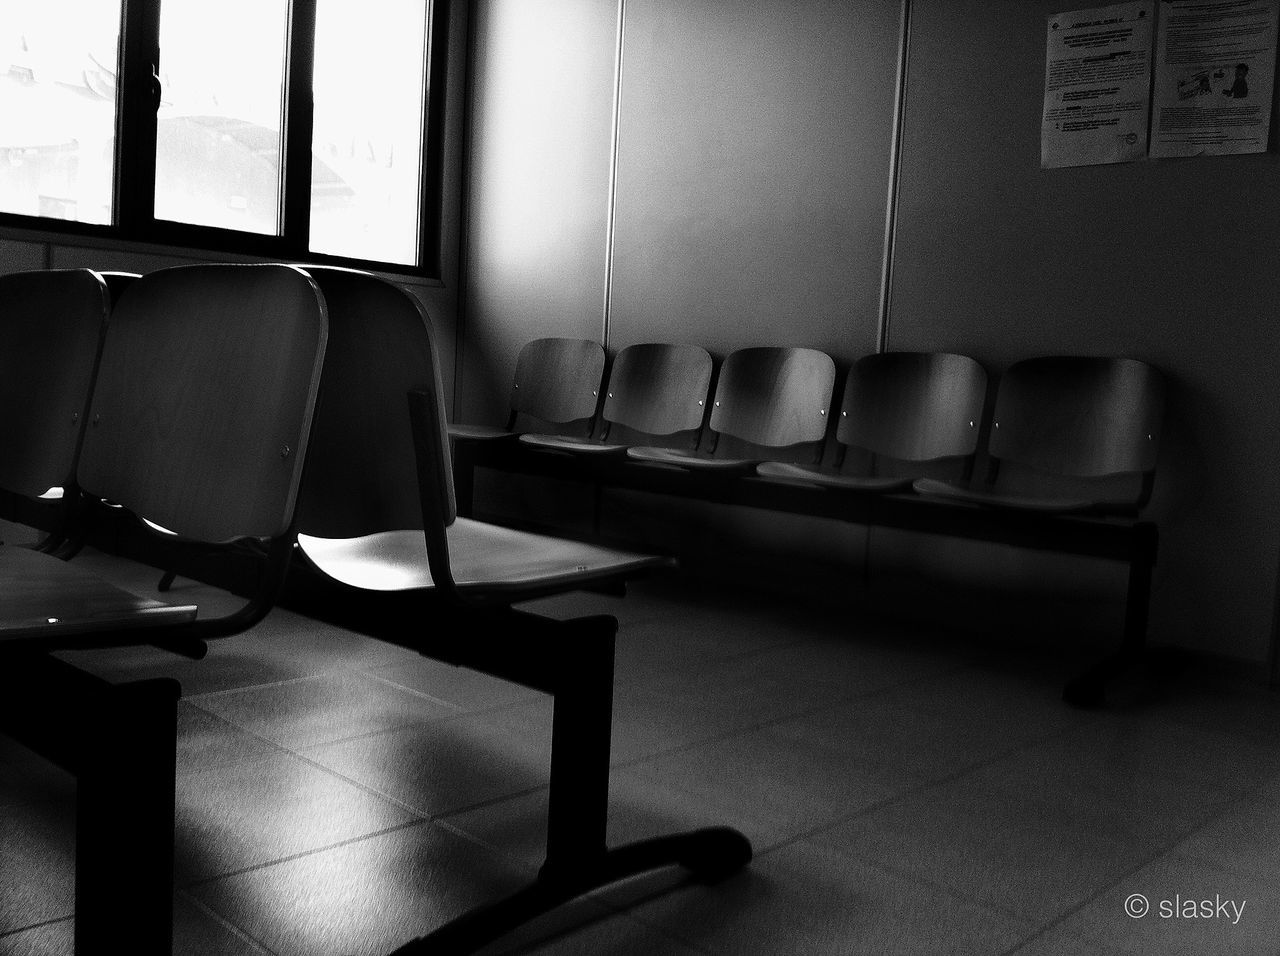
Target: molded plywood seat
x: 901, y: 411
x: 199, y: 423
x: 468, y: 575
x: 1070, y: 435
x: 770, y: 403
x: 557, y: 381
x: 51, y: 328
x: 487, y: 561
x: 655, y: 390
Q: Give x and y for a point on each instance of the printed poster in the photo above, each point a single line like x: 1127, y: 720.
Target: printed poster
x: 1097, y: 88
x: 1215, y: 67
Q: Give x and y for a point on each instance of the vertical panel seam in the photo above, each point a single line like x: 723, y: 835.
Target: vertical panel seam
x: 895, y: 163
x: 612, y: 208
x: 461, y: 328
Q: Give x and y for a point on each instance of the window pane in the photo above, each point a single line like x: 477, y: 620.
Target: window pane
x: 367, y: 147
x: 58, y: 107
x: 218, y: 141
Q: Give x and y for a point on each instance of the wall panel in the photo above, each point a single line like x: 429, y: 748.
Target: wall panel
x: 753, y: 168
x: 20, y: 256
x: 541, y: 107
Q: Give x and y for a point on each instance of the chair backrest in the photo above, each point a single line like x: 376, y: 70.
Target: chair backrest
x: 117, y: 282
x: 558, y: 380
x: 658, y: 389
x: 361, y: 475
x: 774, y: 396
x: 208, y: 379
x: 51, y: 328
x: 913, y: 406
x: 1083, y: 417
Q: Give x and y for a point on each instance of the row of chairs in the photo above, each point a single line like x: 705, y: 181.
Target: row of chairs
x: 229, y: 404
x: 1066, y: 434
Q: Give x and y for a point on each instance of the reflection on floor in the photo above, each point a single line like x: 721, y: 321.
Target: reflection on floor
x: 907, y: 791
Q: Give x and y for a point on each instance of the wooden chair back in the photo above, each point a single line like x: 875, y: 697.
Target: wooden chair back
x: 51, y: 324
x: 774, y: 396
x: 913, y: 406
x: 361, y: 475
x: 200, y: 418
x: 558, y: 379
x: 117, y: 282
x: 658, y: 389
x: 1082, y: 417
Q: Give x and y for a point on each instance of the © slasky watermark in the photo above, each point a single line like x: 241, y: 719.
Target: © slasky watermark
x: 1181, y: 907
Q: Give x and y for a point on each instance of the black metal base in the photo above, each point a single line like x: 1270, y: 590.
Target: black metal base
x: 710, y: 855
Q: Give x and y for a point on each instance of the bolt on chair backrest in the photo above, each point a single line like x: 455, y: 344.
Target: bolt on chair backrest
x: 913, y: 406
x: 51, y: 328
x: 361, y: 475
x: 658, y: 389
x: 1079, y: 417
x: 773, y: 397
x: 200, y: 418
x: 557, y: 380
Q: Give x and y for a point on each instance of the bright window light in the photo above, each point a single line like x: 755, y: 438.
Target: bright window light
x: 58, y: 107
x: 218, y: 139
x: 369, y: 82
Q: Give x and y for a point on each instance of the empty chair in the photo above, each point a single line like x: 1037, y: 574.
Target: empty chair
x: 468, y: 575
x: 557, y: 383
x: 655, y: 391
x: 902, y: 413
x: 51, y: 328
x: 770, y: 403
x: 1070, y: 434
x: 199, y: 423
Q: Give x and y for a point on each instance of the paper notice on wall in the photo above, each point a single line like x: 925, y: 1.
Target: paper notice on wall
x: 1215, y: 66
x: 1097, y: 85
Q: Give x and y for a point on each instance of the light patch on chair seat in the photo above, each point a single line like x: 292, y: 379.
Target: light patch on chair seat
x: 481, y: 556
x: 560, y: 443
x: 684, y: 459
x: 831, y: 479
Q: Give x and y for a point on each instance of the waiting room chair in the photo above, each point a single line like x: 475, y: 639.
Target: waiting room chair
x: 901, y: 413
x: 655, y: 391
x: 51, y: 328
x: 468, y: 576
x: 557, y: 382
x: 770, y: 403
x: 199, y: 423
x: 1069, y: 434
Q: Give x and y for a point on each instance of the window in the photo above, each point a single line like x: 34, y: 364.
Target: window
x: 303, y: 129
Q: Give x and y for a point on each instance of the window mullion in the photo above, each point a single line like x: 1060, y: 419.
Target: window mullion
x: 297, y: 123
x: 137, y: 99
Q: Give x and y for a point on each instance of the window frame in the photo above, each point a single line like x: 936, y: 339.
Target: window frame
x: 133, y: 188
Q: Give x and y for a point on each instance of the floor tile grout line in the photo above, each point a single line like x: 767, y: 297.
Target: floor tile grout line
x: 1143, y: 864
x: 198, y: 882
x: 226, y: 922
x: 53, y: 921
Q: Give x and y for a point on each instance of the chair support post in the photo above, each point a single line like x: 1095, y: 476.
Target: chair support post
x: 580, y: 741
x: 120, y: 742
x: 125, y: 812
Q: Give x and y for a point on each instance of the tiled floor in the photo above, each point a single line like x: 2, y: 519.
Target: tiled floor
x: 906, y: 790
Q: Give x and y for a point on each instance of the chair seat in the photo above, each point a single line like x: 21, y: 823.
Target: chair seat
x: 1047, y: 505
x: 479, y: 432
x: 831, y: 479
x: 484, y: 558
x: 692, y: 461
x: 575, y: 445
x: 49, y: 603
